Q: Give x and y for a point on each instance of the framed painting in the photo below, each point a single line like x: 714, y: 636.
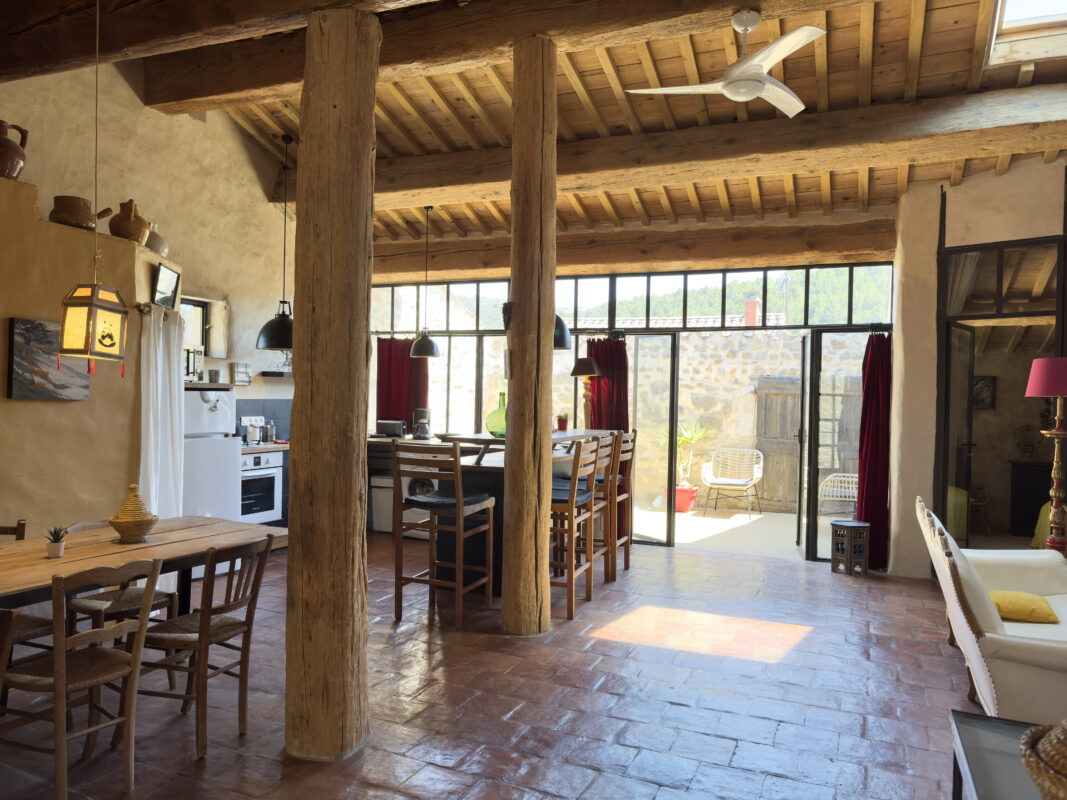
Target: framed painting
x: 984, y: 393
x: 33, y: 350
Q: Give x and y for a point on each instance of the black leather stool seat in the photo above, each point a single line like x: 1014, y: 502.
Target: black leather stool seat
x: 438, y: 502
x: 562, y: 495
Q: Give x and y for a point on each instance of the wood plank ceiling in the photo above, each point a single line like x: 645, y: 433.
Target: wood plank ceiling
x: 873, y: 53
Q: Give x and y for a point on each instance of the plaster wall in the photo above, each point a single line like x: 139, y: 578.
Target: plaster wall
x: 1026, y: 202
x: 199, y: 177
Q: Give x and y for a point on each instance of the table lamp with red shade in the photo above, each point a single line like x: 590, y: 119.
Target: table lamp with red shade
x: 1048, y: 378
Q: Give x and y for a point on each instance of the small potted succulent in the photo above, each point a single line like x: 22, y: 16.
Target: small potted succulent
x: 561, y: 421
x: 55, y: 542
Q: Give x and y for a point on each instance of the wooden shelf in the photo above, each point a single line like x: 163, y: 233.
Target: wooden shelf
x: 204, y: 386
x: 273, y: 373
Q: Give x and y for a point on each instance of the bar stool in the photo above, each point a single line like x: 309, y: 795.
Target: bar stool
x: 620, y: 491
x: 574, y: 549
x: 456, y: 508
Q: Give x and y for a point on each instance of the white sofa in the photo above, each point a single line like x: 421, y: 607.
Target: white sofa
x: 1018, y: 669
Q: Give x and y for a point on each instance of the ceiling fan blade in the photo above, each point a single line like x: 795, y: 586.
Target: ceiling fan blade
x: 715, y: 87
x: 781, y: 97
x: 772, y: 54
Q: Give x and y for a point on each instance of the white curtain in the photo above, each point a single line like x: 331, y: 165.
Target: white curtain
x: 162, y: 416
x: 962, y: 274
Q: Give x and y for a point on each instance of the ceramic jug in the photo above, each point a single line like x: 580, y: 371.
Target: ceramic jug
x: 12, y: 156
x: 129, y: 224
x: 155, y: 240
x: 76, y: 211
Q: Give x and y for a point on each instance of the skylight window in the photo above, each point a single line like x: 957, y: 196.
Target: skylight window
x: 1019, y: 13
x: 1027, y: 31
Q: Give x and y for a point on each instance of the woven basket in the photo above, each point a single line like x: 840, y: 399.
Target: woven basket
x: 1044, y: 751
x: 133, y: 520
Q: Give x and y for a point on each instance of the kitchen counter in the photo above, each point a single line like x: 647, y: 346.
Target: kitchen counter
x: 264, y: 448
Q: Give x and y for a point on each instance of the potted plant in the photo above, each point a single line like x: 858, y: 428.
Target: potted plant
x: 55, y: 542
x: 685, y: 494
x: 561, y: 421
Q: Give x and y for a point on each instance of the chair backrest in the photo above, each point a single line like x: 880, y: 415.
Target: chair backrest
x: 605, y: 457
x: 583, y: 467
x: 18, y: 530
x: 622, y: 462
x: 242, y: 573
x: 7, y: 636
x: 436, y: 462
x: 741, y: 463
x: 840, y: 486
x: 66, y: 587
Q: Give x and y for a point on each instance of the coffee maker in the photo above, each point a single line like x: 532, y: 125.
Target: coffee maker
x: 420, y: 423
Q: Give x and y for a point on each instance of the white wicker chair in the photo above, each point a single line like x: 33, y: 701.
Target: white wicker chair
x: 840, y: 487
x: 733, y: 472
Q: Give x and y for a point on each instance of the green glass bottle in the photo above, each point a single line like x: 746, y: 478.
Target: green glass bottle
x: 497, y: 419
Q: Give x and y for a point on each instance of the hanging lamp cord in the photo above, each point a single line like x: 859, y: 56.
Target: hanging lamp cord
x: 426, y: 273
x: 285, y: 209
x: 96, y: 148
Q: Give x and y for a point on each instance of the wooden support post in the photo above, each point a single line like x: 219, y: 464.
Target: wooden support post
x: 326, y: 710
x: 526, y: 603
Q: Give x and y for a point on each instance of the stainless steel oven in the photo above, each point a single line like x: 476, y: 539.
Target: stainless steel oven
x: 261, y: 487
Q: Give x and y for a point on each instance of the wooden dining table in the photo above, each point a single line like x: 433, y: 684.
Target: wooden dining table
x: 26, y: 572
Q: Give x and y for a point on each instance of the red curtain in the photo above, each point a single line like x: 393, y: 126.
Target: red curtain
x: 609, y: 406
x: 403, y: 381
x: 872, y: 502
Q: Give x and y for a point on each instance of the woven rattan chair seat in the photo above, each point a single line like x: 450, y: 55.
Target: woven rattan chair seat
x: 184, y: 632
x: 90, y: 666
x: 117, y: 601
x: 30, y: 626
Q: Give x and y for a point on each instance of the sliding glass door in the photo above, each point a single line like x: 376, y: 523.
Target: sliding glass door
x: 652, y: 404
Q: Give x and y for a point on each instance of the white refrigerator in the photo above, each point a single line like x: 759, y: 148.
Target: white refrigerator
x: 212, y: 476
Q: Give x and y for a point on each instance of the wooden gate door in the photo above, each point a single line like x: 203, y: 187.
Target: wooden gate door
x: 778, y: 411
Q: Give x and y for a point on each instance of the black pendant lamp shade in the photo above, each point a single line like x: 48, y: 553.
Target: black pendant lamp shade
x: 561, y: 337
x: 277, y: 334
x: 424, y: 346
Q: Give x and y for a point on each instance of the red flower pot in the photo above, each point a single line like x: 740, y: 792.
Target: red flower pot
x: 561, y: 424
x: 684, y: 497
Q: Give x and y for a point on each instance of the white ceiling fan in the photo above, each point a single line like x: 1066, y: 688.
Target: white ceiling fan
x: 747, y: 78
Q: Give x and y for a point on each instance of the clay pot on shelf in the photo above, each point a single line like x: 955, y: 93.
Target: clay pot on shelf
x: 75, y: 211
x: 12, y: 156
x: 156, y: 241
x: 129, y: 224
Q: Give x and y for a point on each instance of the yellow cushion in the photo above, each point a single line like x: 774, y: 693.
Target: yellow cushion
x: 1042, y: 528
x: 1022, y: 606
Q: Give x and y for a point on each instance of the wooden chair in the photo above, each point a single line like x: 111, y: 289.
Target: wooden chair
x: 574, y: 547
x: 458, y: 508
x: 620, y: 493
x: 734, y: 472
x: 187, y: 640
x: 84, y: 662
x: 18, y: 530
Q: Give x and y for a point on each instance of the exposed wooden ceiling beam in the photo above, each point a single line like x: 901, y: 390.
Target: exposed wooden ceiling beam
x: 580, y: 89
x: 617, y: 88
x: 642, y: 250
x: 438, y: 39
x: 45, y: 36
x: 1025, y: 78
x: 730, y: 55
x: 822, y: 63
x: 826, y: 192
x: 476, y: 104
x: 774, y: 31
x: 498, y: 215
x: 445, y: 108
x: 475, y: 217
x: 982, y: 38
x: 866, y: 67
x: 410, y: 142
x: 1011, y: 322
x: 1044, y: 273
x: 724, y: 200
x: 790, y: 194
x: 757, y: 199
x: 501, y: 86
x: 692, y: 75
x: 1046, y: 343
x: 916, y: 24
x: 451, y: 221
x: 665, y: 202
x: 444, y: 144
x: 863, y: 189
x: 694, y: 201
x: 648, y: 64
x: 903, y: 176
x: 579, y: 209
x: 609, y: 207
x: 253, y: 130
x: 981, y: 339
x: 881, y: 136
x: 956, y: 175
x: 1016, y: 338
x: 639, y: 206
x: 404, y: 223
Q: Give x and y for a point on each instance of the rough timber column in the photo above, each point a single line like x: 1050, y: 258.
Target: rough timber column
x: 326, y: 624
x: 528, y: 463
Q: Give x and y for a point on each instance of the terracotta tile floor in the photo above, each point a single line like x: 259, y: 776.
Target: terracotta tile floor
x: 697, y: 674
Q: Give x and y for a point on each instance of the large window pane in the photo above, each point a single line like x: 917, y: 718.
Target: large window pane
x: 438, y: 395
x: 434, y: 312
x: 493, y: 380
x: 785, y: 297
x: 563, y: 385
x: 463, y: 307
x: 404, y: 299
x: 463, y: 355
x: 631, y: 301
x: 381, y: 308
x: 565, y: 300
x: 593, y: 302
x: 491, y: 299
x: 704, y: 300
x: 872, y: 294
x: 665, y: 301
x: 828, y: 296
x: 744, y: 299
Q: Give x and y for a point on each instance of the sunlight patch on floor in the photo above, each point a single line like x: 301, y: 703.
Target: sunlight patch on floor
x: 701, y: 632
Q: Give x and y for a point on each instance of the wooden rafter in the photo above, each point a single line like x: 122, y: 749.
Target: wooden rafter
x: 863, y: 189
x: 790, y: 194
x: 561, y: 223
x: 476, y: 104
x: 1016, y: 338
x: 724, y: 200
x: 692, y: 75
x: 383, y: 147
x: 501, y: 86
x: 1050, y: 155
x: 289, y: 110
x: 253, y: 130
x: 1046, y: 343
x: 1044, y: 273
x: 757, y: 199
x: 729, y: 46
x: 665, y: 202
x: 579, y: 209
x: 499, y: 215
x: 956, y: 175
x: 451, y: 221
x: 611, y: 72
x: 412, y: 144
x: 903, y: 175
x: 609, y: 207
x: 822, y: 63
x: 866, y: 66
x: 432, y: 128
x: 639, y: 207
x: 267, y: 118
x: 1025, y: 78
x: 582, y: 91
x: 445, y: 107
x: 565, y: 128
x: 1013, y: 261
x: 403, y: 222
x: 385, y: 229
x: 827, y: 194
x: 648, y: 64
x: 916, y: 25
x: 980, y: 52
x: 981, y: 339
x: 694, y: 201
x: 475, y: 217
x: 774, y: 31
